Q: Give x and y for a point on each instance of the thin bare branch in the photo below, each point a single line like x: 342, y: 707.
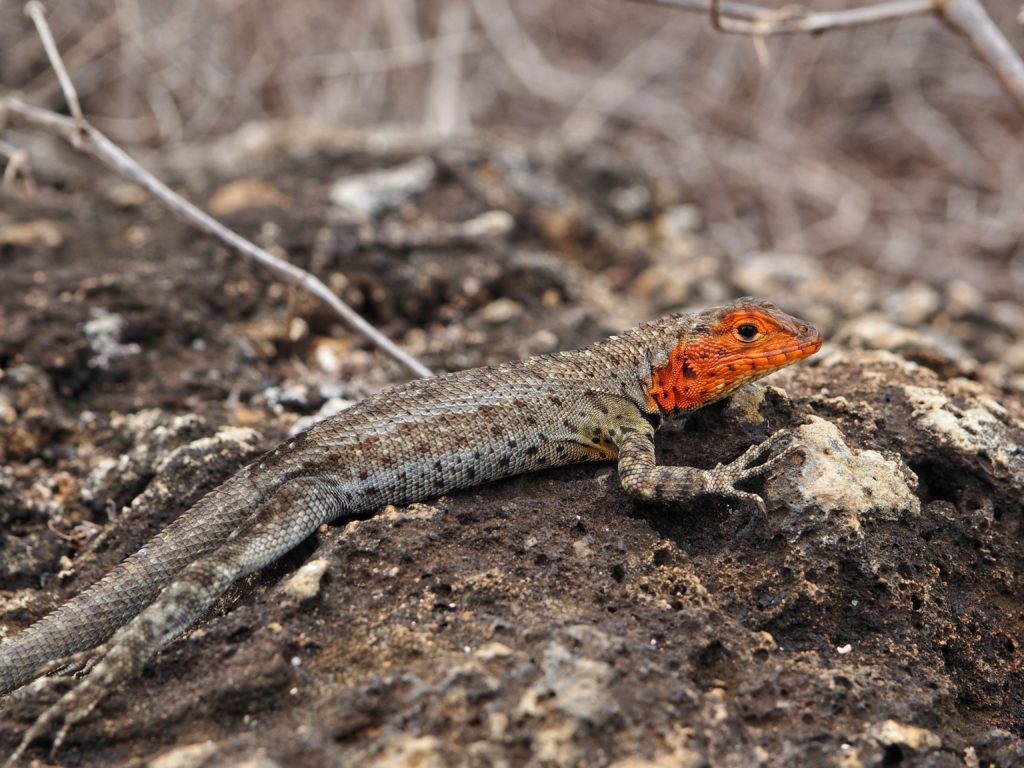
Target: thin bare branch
x: 969, y: 19
x: 94, y: 143
x: 716, y: 15
x: 95, y: 41
x: 446, y: 112
x: 747, y: 19
x: 80, y: 134
x: 17, y: 165
x: 35, y: 11
x: 965, y: 17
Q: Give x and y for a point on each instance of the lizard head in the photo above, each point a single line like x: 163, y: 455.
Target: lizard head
x: 721, y: 349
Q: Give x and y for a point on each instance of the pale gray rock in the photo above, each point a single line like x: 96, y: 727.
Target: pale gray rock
x: 371, y: 193
x: 845, y: 484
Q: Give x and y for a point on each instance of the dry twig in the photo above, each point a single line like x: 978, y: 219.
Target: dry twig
x: 17, y: 165
x: 35, y: 11
x: 446, y: 112
x: 792, y: 19
x: 83, y: 136
x: 967, y: 18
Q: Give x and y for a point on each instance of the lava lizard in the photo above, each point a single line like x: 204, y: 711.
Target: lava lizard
x: 408, y: 443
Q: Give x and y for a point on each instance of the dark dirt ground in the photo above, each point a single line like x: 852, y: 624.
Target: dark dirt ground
x: 873, y: 617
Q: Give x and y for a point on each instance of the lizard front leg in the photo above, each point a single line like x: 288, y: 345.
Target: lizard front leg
x: 642, y: 477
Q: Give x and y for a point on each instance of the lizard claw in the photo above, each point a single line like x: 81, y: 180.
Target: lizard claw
x: 723, y: 478
x: 753, y: 498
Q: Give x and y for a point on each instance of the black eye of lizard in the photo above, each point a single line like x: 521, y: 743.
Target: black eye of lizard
x: 747, y: 331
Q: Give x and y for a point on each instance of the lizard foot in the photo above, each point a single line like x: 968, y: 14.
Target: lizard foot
x: 77, y: 664
x: 72, y: 707
x: 722, y: 480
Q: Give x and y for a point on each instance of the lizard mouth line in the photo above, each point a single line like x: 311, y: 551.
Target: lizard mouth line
x: 771, y: 358
x: 803, y: 347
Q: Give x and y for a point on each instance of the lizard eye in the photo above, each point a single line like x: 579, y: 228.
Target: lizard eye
x: 747, y: 332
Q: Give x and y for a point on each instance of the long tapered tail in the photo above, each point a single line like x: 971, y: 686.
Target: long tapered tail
x: 94, y: 615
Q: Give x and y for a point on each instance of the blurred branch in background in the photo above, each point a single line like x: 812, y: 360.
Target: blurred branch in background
x: 965, y: 17
x: 790, y: 19
x: 35, y: 11
x: 16, y: 166
x: 886, y: 145
x: 968, y: 18
x: 80, y: 134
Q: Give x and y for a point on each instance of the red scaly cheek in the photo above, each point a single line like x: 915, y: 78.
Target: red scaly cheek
x: 687, y: 380
x: 697, y: 374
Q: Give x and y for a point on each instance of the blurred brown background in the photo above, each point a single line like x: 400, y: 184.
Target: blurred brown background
x: 890, y: 146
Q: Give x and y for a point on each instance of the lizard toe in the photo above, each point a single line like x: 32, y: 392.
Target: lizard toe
x: 37, y: 729
x: 750, y: 459
x: 77, y: 664
x: 73, y: 706
x: 764, y: 467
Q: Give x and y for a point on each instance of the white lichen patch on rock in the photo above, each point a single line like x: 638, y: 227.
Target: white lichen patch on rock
x: 332, y: 407
x: 170, y: 457
x: 407, y: 750
x: 103, y: 332
x: 152, y: 435
x: 681, y: 753
x: 891, y: 732
x: 305, y: 582
x: 370, y: 193
x: 870, y: 362
x: 187, y: 756
x: 843, y: 482
x: 980, y: 428
x: 571, y: 696
x: 572, y: 684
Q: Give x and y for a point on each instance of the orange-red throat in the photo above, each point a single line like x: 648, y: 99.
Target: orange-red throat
x: 751, y: 339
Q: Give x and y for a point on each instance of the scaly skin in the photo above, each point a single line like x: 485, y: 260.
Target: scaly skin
x: 408, y: 443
